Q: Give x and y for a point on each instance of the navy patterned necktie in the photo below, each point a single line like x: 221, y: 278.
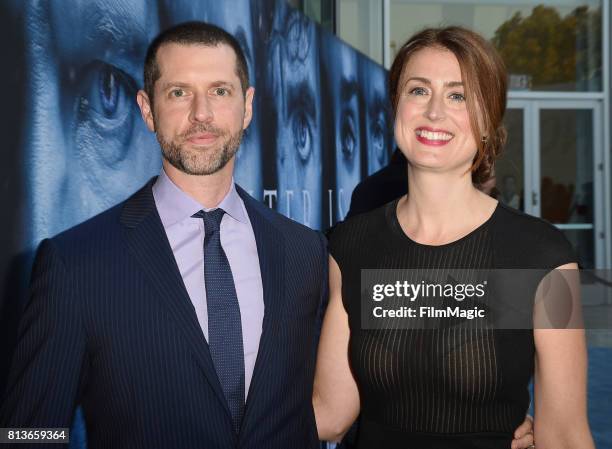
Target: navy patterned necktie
x: 224, y: 325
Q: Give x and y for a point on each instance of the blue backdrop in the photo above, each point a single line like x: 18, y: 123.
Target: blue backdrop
x: 85, y: 147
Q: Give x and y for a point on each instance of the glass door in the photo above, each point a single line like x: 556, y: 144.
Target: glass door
x: 552, y: 167
x: 571, y: 174
x: 512, y: 170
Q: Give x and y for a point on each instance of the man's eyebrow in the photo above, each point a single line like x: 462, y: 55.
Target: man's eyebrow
x: 169, y: 84
x: 428, y: 82
x: 222, y: 83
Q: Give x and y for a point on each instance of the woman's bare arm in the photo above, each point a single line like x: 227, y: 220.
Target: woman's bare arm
x: 560, y: 376
x: 335, y: 397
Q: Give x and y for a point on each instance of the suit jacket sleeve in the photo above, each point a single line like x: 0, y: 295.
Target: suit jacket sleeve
x: 47, y: 367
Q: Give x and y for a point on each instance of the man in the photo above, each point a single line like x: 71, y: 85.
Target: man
x: 185, y: 316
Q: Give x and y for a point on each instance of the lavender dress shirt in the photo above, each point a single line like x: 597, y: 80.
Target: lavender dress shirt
x: 186, y: 237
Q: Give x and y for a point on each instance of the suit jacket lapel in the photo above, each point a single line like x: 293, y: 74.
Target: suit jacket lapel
x: 271, y: 253
x: 147, y: 241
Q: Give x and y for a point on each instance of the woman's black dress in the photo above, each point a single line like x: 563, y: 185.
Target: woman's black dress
x: 454, y: 386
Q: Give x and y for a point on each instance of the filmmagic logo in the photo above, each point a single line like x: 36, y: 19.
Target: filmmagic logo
x: 429, y: 312
x: 423, y: 289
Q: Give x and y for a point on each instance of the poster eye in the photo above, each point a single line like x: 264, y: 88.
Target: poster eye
x: 378, y: 127
x: 348, y: 137
x: 302, y: 134
x: 106, y: 111
x: 107, y: 90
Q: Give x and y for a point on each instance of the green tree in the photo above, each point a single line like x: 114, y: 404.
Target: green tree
x: 556, y: 51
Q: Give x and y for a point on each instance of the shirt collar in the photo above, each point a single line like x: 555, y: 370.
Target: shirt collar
x: 174, y: 205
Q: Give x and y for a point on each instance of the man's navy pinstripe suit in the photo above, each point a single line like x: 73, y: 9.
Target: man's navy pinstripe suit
x: 110, y: 326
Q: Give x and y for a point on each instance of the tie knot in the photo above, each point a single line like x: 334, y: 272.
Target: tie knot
x: 212, y: 219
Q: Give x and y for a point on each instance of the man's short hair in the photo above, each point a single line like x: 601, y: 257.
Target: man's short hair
x: 192, y: 33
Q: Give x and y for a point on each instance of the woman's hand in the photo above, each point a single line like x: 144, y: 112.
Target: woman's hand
x: 523, y: 435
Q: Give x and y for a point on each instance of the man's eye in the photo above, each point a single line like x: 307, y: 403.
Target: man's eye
x: 221, y: 91
x: 177, y: 93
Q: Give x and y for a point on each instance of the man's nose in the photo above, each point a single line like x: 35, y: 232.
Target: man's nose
x: 201, y: 109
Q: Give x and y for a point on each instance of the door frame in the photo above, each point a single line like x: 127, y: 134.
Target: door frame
x: 531, y: 166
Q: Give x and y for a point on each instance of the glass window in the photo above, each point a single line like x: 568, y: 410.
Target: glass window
x: 360, y: 24
x: 321, y: 11
x: 551, y: 45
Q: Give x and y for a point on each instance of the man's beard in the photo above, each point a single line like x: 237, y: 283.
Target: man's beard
x: 200, y: 162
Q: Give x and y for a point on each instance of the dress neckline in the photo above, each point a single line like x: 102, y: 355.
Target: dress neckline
x: 391, y: 216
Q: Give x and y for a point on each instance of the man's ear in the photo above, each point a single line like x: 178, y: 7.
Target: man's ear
x: 248, y: 107
x: 145, y: 109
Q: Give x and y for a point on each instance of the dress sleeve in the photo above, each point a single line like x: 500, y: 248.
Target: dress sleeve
x: 337, y: 244
x: 555, y: 248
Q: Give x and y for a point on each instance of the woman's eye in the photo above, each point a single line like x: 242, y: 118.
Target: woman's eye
x: 418, y: 91
x: 457, y: 97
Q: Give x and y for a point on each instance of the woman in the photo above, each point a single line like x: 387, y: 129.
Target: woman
x: 439, y: 388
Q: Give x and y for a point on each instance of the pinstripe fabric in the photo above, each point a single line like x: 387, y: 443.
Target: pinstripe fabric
x: 468, y: 381
x: 109, y: 325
